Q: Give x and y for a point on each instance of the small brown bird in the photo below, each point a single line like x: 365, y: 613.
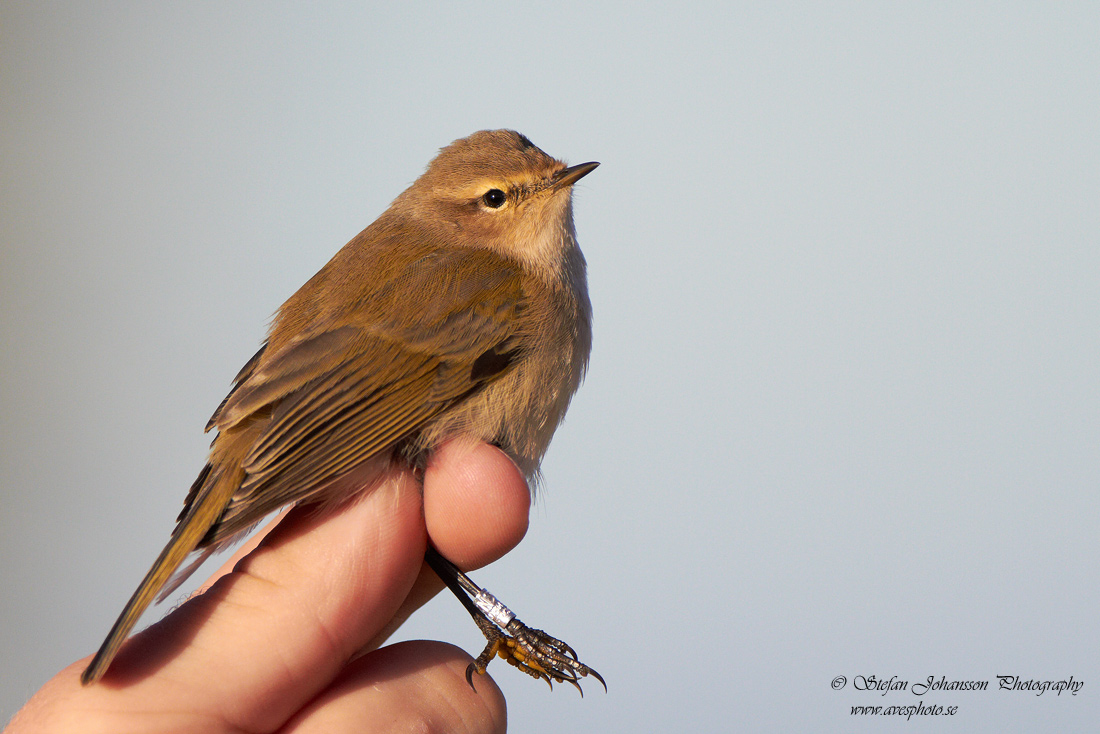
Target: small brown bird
x: 462, y: 311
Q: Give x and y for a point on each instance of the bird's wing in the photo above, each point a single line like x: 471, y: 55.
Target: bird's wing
x: 342, y: 394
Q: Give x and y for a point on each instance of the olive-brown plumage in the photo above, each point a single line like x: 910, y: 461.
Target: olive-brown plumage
x: 462, y: 310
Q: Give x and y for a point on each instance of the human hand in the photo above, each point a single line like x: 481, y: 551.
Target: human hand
x: 287, y: 636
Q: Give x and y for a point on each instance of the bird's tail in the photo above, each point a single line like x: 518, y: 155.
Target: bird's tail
x: 211, y: 494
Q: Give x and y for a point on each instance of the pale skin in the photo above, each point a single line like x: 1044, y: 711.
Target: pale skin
x: 287, y: 637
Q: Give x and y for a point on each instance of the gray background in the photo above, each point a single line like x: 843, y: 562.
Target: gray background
x: 843, y: 412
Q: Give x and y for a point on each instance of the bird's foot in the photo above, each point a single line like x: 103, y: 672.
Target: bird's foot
x: 536, y: 653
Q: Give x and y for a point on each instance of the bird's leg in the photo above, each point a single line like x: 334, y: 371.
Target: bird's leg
x: 532, y: 651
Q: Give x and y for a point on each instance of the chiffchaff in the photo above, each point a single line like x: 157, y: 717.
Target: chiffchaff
x: 461, y: 311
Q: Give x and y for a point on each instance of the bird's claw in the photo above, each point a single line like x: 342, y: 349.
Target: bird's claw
x: 532, y: 651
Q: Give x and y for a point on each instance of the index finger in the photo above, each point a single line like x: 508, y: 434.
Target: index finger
x: 266, y: 638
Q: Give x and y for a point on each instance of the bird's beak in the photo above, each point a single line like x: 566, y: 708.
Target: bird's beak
x: 570, y: 176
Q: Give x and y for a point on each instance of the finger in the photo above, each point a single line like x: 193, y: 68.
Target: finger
x: 410, y: 686
x: 250, y: 544
x: 476, y: 508
x: 476, y: 503
x: 267, y: 638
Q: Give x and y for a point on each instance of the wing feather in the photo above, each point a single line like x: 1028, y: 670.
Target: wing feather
x: 351, y: 389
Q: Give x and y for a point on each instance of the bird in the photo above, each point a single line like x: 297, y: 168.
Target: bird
x: 461, y: 311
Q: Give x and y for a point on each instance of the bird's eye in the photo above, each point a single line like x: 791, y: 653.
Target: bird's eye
x: 494, y: 198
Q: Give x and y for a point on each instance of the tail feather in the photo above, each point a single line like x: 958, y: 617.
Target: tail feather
x: 193, y: 526
x: 184, y: 573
